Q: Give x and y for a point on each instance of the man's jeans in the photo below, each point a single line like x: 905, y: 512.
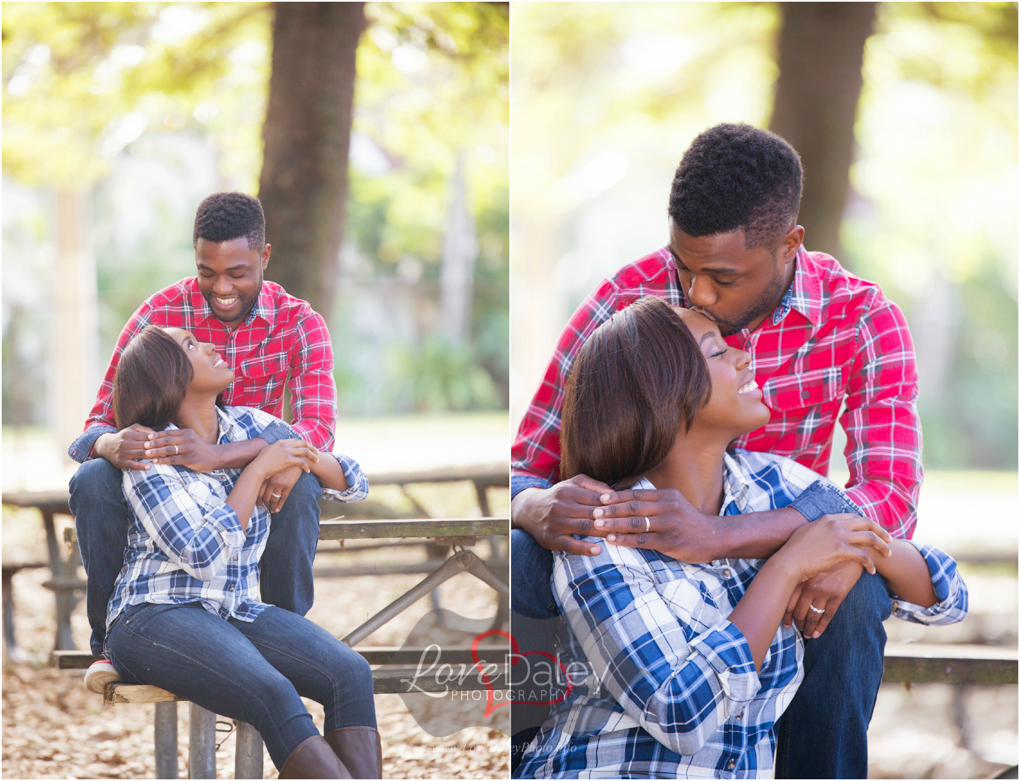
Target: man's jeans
x: 100, y: 522
x: 254, y: 671
x: 824, y: 732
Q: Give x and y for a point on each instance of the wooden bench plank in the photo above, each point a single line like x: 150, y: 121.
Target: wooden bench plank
x: 80, y: 660
x: 416, y: 527
x: 955, y: 664
x: 385, y: 680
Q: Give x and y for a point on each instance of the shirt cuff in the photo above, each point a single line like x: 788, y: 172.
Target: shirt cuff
x: 81, y: 448
x: 519, y: 482
x: 726, y: 651
x: 357, y: 483
x: 950, y: 590
x: 823, y: 498
x: 276, y: 431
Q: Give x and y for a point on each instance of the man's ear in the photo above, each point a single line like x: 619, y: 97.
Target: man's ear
x: 792, y: 242
x: 268, y: 250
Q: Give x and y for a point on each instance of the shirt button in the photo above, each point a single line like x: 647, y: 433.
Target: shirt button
x: 895, y: 605
x: 231, y: 588
x: 805, y: 394
x: 235, y: 558
x: 730, y: 765
x: 726, y: 573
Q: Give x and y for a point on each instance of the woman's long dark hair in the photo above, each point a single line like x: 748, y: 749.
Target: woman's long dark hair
x: 637, y: 382
x: 152, y: 377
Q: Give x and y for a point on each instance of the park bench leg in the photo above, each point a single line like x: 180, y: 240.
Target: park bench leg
x: 247, y: 751
x: 166, y: 740
x: 462, y: 561
x: 10, y: 643
x: 202, y: 746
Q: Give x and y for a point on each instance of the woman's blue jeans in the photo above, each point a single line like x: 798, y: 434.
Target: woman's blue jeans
x: 100, y: 522
x: 253, y: 671
x: 824, y: 732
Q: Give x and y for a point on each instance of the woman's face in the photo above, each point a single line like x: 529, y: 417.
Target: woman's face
x: 735, y: 405
x: 209, y: 371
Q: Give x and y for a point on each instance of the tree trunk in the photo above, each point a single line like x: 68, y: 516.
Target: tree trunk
x: 821, y: 50
x: 307, y: 133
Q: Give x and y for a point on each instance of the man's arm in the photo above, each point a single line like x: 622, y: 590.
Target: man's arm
x: 881, y: 422
x: 312, y: 388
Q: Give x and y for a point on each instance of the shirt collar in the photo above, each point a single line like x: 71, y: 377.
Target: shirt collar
x: 804, y: 294
x: 735, y: 485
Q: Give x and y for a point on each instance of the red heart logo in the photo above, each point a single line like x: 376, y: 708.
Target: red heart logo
x: 490, y: 700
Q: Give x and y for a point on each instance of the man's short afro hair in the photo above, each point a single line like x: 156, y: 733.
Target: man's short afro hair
x: 737, y: 176
x: 227, y: 216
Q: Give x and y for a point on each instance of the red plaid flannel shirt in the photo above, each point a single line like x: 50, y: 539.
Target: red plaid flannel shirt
x: 281, y: 334
x: 834, y: 337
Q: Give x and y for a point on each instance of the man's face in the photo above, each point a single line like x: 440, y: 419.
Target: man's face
x: 731, y: 285
x: 230, y: 277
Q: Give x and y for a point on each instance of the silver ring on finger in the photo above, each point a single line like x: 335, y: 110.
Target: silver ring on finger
x: 816, y: 610
x: 177, y: 450
x: 648, y: 525
x: 277, y: 496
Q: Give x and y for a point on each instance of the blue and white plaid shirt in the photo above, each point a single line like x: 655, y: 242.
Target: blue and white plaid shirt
x: 185, y: 544
x: 664, y: 686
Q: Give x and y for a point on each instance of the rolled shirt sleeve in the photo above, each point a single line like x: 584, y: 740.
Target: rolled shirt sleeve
x: 949, y: 587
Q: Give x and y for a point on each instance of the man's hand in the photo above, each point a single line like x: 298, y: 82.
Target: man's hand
x: 276, y: 489
x: 552, y: 515
x: 182, y: 447
x: 825, y: 591
x: 663, y: 521
x: 125, y: 447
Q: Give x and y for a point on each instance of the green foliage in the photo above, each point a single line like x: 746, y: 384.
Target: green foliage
x: 84, y: 80
x: 437, y: 376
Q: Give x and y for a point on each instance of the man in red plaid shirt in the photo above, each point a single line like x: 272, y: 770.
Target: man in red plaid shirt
x: 820, y: 338
x: 265, y: 335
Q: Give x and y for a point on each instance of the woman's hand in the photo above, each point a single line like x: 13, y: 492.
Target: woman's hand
x: 282, y: 454
x: 830, y: 540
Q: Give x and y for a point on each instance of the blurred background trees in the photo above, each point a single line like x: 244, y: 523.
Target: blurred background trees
x: 119, y: 118
x: 906, y: 118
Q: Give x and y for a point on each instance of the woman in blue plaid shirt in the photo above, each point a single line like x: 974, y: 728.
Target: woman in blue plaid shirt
x: 671, y: 669
x: 185, y: 613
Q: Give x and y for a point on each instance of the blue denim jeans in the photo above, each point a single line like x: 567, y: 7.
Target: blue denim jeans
x: 255, y: 671
x: 824, y: 732
x: 100, y: 522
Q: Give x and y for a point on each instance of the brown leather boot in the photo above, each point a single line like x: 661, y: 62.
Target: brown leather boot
x: 359, y: 750
x: 313, y: 758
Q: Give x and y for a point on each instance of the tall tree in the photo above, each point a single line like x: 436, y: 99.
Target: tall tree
x: 821, y: 51
x: 307, y: 136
